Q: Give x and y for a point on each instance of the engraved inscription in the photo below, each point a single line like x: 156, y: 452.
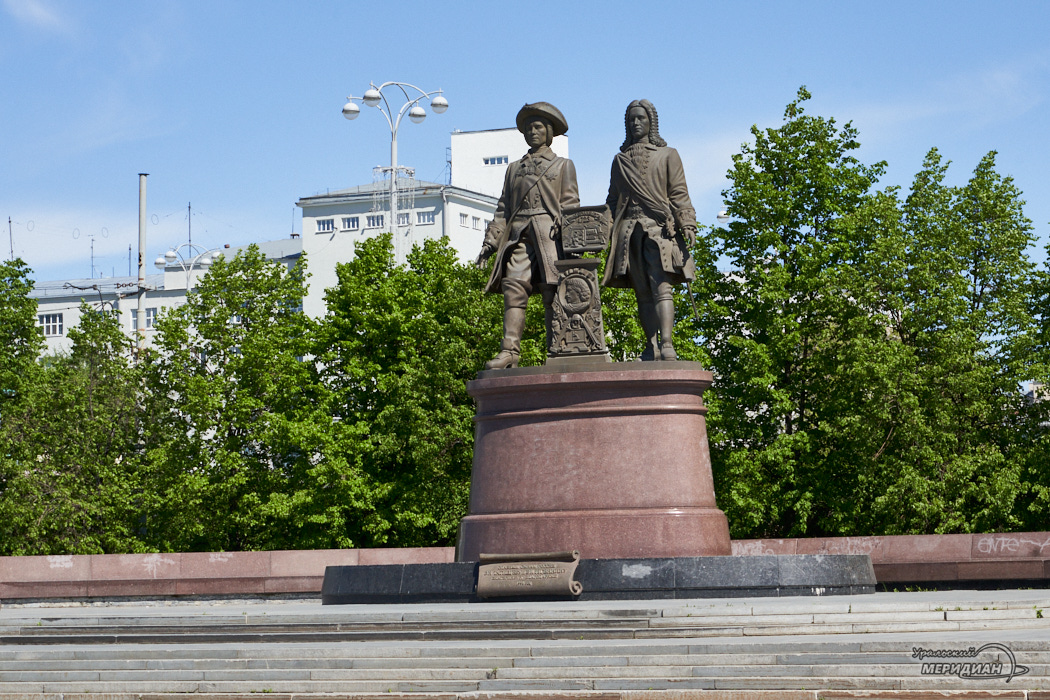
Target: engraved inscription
x: 549, y: 574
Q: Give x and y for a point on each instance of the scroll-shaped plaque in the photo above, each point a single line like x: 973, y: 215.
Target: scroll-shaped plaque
x: 546, y: 574
x: 584, y: 230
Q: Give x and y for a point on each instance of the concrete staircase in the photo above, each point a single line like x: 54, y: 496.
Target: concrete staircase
x: 814, y: 647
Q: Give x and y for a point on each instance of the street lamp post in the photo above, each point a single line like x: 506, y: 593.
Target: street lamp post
x: 194, y: 255
x: 374, y: 97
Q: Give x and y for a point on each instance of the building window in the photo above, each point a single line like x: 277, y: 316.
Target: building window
x: 403, y: 219
x: 151, y: 317
x: 424, y: 217
x: 496, y: 160
x: 464, y: 220
x: 477, y: 223
x: 374, y: 220
x: 325, y: 225
x: 51, y: 323
x: 350, y: 223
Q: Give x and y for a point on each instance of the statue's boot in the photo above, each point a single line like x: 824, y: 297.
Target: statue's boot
x: 650, y: 326
x: 514, y: 300
x: 665, y: 314
x: 548, y: 312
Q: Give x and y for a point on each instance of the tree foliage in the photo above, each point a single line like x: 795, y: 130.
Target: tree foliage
x: 868, y: 347
x: 398, y: 346
x: 71, y: 474
x: 238, y: 419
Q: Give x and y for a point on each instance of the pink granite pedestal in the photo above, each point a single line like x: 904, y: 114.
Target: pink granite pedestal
x: 608, y: 459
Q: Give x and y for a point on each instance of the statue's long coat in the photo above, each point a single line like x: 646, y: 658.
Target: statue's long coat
x: 556, y: 191
x: 655, y: 179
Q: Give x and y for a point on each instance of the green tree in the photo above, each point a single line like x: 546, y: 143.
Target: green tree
x: 398, y: 345
x: 868, y: 350
x: 239, y: 421
x: 779, y: 325
x: 20, y: 339
x: 959, y: 291
x: 71, y: 483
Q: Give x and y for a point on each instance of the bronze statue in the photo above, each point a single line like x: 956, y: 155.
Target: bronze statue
x: 524, y: 234
x: 653, y: 226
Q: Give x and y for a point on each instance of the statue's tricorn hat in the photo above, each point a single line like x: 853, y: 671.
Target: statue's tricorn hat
x: 545, y: 110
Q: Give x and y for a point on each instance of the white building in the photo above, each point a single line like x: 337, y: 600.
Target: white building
x: 333, y: 222
x: 58, y: 301
x: 480, y: 158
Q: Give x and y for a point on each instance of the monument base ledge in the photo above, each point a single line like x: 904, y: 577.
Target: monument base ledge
x: 616, y: 579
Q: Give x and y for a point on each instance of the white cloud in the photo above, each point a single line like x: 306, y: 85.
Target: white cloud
x: 40, y: 14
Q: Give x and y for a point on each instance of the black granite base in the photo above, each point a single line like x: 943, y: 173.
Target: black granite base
x: 616, y: 579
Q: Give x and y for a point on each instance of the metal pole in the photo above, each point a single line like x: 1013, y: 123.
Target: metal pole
x: 393, y: 196
x: 11, y: 238
x: 140, y: 314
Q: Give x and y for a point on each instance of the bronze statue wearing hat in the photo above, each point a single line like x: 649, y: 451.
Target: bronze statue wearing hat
x: 524, y: 232
x: 653, y: 226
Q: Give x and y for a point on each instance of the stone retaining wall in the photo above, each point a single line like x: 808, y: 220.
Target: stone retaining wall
x: 1020, y: 556
x: 192, y: 573
x: 1015, y: 556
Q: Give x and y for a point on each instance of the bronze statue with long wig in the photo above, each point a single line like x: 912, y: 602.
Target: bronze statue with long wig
x: 653, y: 227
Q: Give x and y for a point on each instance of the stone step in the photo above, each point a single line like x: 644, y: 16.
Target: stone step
x: 515, y: 649
x: 506, y: 614
x: 641, y: 668
x: 200, y: 633
x: 526, y: 684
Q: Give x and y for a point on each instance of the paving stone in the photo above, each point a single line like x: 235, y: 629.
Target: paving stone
x: 45, y: 676
x: 665, y: 632
x: 435, y: 686
x: 632, y: 649
x: 813, y: 659
x: 793, y: 683
x: 595, y: 672
x: 564, y: 661
x: 536, y: 684
x: 887, y: 616
x: 730, y: 620
x: 674, y: 684
x: 756, y: 631
x: 436, y: 662
x: 1032, y: 623
x: 399, y: 674
x: 442, y: 652
x: 703, y: 660
x: 1003, y: 614
x: 122, y: 687
x: 906, y: 627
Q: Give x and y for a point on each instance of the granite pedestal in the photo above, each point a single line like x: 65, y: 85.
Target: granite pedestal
x: 610, y: 459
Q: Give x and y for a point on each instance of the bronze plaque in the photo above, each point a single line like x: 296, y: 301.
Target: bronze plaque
x: 584, y: 230
x: 547, y: 574
x: 576, y: 328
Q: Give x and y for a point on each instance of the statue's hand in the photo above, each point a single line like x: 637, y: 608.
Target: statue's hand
x: 483, y: 257
x: 690, y: 235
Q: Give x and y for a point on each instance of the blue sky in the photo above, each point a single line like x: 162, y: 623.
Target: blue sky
x: 235, y: 106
